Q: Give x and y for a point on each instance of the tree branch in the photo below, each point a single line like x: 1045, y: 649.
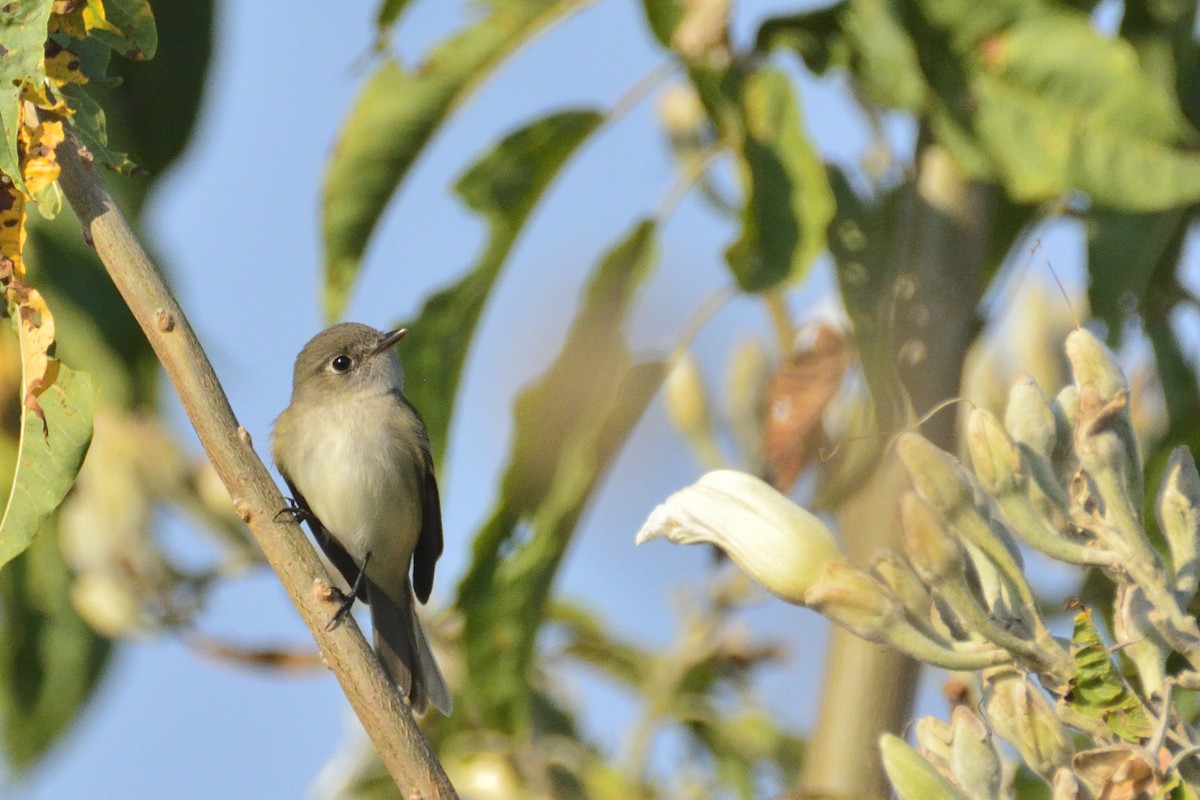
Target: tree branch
x: 387, y: 719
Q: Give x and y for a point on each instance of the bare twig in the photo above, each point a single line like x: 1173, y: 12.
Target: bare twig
x: 384, y: 715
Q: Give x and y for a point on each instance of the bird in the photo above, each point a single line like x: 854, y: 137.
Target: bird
x: 355, y: 455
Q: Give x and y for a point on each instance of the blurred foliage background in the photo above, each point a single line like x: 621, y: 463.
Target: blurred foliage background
x: 1026, y: 111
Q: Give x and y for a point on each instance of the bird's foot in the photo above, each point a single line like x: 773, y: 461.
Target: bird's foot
x: 293, y: 512
x: 346, y: 600
x: 345, y: 604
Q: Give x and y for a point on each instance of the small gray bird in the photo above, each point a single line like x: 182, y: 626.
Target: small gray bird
x: 355, y: 455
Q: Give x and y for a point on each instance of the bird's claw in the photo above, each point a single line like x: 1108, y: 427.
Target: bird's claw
x: 345, y: 603
x: 293, y: 512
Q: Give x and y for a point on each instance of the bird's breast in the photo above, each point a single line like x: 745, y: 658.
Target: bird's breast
x: 356, y: 468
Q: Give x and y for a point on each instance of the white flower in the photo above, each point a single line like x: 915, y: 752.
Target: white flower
x: 773, y: 540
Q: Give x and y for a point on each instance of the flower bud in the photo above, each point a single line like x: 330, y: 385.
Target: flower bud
x: 1138, y: 639
x: 1030, y: 418
x: 994, y: 455
x: 1020, y: 714
x: 937, y: 475
x: 911, y: 776
x: 895, y: 573
x: 1093, y: 364
x: 773, y: 540
x: 930, y: 548
x: 1179, y: 519
x: 686, y: 397
x: 107, y: 605
x: 974, y: 762
x: 854, y: 600
x: 1066, y: 785
x: 933, y: 737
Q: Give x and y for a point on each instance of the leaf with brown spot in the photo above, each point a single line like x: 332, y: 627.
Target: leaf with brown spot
x: 12, y: 230
x: 796, y: 396
x: 37, y: 336
x: 51, y: 448
x: 63, y: 65
x: 40, y: 165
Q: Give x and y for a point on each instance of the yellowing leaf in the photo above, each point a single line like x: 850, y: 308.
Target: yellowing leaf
x: 54, y: 437
x: 63, y: 66
x: 12, y: 231
x: 94, y: 17
x: 41, y: 165
x: 36, y: 327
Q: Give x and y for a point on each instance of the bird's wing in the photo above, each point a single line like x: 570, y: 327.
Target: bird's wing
x: 429, y: 543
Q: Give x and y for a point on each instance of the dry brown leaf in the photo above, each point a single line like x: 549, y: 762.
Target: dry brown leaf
x: 794, y: 401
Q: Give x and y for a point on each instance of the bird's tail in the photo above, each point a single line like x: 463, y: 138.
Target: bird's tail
x: 404, y: 651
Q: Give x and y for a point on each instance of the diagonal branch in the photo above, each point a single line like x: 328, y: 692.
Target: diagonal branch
x: 385, y: 716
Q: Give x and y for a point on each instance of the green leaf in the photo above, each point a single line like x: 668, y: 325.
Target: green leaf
x: 587, y: 640
x: 1043, y: 103
x: 22, y: 41
x: 1098, y: 691
x: 862, y: 36
x: 912, y: 777
x: 788, y: 201
x: 1065, y: 60
x: 663, y: 16
x: 503, y: 187
x: 50, y: 660
x: 138, y: 37
x: 1125, y: 253
x: 393, y: 118
x: 157, y: 133
x: 569, y: 426
x: 89, y: 122
x: 49, y: 457
x: 389, y: 12
x: 1042, y: 149
x: 862, y: 243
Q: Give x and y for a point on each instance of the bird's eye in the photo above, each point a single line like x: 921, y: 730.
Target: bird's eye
x: 340, y: 364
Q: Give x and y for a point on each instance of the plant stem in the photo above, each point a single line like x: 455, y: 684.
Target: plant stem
x: 385, y: 716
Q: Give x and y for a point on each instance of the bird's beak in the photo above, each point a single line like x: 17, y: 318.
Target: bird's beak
x: 389, y: 341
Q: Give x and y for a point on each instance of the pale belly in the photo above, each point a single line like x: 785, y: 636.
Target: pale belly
x: 366, y: 495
